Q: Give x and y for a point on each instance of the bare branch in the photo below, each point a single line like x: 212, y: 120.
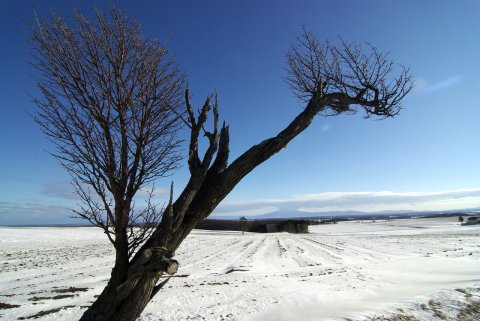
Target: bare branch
x: 112, y: 105
x: 351, y: 76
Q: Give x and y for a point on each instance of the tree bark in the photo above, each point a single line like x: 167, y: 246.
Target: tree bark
x: 128, y: 292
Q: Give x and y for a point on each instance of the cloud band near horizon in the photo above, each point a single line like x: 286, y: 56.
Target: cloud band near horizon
x: 46, y: 212
x: 356, y: 201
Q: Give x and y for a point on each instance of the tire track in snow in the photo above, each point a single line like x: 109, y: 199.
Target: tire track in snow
x: 269, y: 256
x: 332, y: 256
x: 290, y: 259
x: 299, y: 253
x: 207, y: 261
x: 368, y: 254
x: 245, y: 259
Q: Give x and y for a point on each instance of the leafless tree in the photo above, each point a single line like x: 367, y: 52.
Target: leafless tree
x: 331, y: 80
x: 243, y: 224
x: 111, y: 103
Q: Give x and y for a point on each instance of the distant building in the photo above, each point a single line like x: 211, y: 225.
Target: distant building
x: 259, y: 226
x: 472, y: 220
x: 272, y: 227
x: 290, y: 226
x: 293, y: 226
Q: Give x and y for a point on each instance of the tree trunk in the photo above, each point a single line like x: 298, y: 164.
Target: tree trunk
x: 131, y: 286
x: 127, y: 294
x: 121, y: 304
x: 129, y: 290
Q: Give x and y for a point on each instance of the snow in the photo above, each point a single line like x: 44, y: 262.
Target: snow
x: 345, y: 271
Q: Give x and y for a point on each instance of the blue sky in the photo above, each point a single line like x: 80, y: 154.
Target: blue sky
x: 238, y: 49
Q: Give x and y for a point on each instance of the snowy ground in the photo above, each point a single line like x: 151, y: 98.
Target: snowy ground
x: 422, y: 268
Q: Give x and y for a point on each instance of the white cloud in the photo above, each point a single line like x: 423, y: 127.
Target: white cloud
x: 144, y: 192
x: 358, y: 201
x: 445, y: 83
x: 35, y: 213
x: 422, y: 85
x: 65, y: 190
x: 30, y: 213
x: 249, y: 212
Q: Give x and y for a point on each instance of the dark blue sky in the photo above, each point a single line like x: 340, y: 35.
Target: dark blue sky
x: 238, y: 49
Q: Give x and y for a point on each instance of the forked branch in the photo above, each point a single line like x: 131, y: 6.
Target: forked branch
x: 350, y: 75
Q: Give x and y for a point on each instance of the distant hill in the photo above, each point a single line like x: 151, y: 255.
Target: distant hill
x: 351, y: 214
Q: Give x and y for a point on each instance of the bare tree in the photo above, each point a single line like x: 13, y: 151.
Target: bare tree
x: 243, y: 224
x: 111, y: 105
x: 331, y: 80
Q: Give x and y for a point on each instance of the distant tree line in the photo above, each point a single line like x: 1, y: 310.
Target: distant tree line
x: 258, y: 226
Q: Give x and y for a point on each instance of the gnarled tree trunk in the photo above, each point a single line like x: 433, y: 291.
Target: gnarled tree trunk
x: 329, y: 89
x: 112, y: 106
x: 129, y: 290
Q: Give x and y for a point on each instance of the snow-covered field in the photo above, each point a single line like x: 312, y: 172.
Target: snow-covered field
x: 427, y: 268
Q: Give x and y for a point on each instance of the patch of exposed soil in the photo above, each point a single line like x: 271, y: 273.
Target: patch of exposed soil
x: 71, y: 289
x: 4, y: 306
x: 55, y: 297
x: 46, y: 312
